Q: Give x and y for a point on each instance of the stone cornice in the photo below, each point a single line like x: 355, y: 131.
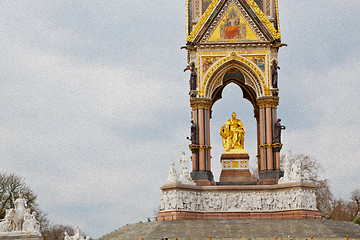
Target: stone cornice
x: 283, y: 186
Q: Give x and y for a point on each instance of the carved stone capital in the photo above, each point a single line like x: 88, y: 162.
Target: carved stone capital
x: 200, y: 103
x: 268, y: 102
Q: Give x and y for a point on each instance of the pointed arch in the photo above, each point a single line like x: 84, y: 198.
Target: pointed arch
x: 253, y: 84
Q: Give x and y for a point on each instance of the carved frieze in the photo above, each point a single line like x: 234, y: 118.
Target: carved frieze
x: 238, y: 201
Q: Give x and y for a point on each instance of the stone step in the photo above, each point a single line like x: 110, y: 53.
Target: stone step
x: 237, y: 229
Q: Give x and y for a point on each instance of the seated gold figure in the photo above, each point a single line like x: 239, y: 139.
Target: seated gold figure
x: 232, y: 134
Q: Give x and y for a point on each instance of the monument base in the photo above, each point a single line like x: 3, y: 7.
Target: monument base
x: 236, y: 177
x: 267, y: 229
x: 185, y: 215
x: 19, y: 236
x: 235, y: 169
x: 294, y: 200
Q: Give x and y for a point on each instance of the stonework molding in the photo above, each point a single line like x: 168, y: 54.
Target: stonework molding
x: 268, y: 102
x: 200, y: 103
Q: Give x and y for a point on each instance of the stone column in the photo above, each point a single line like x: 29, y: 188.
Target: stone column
x: 269, y: 160
x: 201, y: 173
x: 257, y: 117
x: 262, y: 139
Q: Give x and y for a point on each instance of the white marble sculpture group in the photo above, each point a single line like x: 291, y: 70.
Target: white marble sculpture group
x: 183, y: 177
x: 292, y: 171
x: 281, y: 199
x: 77, y: 235
x: 20, y: 220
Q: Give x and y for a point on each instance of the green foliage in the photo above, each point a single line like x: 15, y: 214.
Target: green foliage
x: 357, y: 221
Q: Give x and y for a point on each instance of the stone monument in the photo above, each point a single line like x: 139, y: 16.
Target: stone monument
x: 236, y: 41
x: 20, y: 222
x: 233, y: 41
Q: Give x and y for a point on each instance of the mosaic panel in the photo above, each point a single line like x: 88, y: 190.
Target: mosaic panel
x: 226, y: 164
x: 235, y: 164
x: 233, y: 27
x: 207, y: 62
x: 259, y: 61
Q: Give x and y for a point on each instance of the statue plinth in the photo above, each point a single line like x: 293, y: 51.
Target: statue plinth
x: 20, y: 236
x: 235, y: 168
x: 235, y: 151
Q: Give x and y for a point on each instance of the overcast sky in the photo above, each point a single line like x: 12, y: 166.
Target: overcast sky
x: 94, y: 102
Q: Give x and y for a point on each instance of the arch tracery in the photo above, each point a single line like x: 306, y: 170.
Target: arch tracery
x: 254, y: 77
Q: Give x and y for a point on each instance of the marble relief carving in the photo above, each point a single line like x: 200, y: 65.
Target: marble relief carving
x: 280, y: 200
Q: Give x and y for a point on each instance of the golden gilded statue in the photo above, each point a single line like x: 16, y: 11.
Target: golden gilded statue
x: 232, y: 134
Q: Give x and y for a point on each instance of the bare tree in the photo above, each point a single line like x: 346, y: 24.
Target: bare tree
x: 355, y: 204
x: 56, y: 232
x: 328, y: 206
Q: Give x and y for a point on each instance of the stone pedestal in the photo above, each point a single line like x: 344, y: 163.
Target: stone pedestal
x: 269, y: 177
x: 235, y: 169
x: 19, y: 236
x: 202, y: 178
x: 281, y: 201
x: 238, y: 229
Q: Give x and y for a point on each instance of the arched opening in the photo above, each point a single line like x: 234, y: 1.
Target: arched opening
x: 251, y: 81
x: 261, y: 106
x: 234, y: 75
x: 227, y: 98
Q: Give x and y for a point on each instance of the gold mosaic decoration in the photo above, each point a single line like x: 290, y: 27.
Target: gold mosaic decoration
x: 244, y: 164
x: 211, y: 7
x: 207, y: 62
x: 226, y: 164
x: 233, y: 27
x: 259, y: 61
x: 265, y: 20
x: 235, y: 164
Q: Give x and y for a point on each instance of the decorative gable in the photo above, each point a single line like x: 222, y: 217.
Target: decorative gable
x: 233, y: 27
x: 233, y: 21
